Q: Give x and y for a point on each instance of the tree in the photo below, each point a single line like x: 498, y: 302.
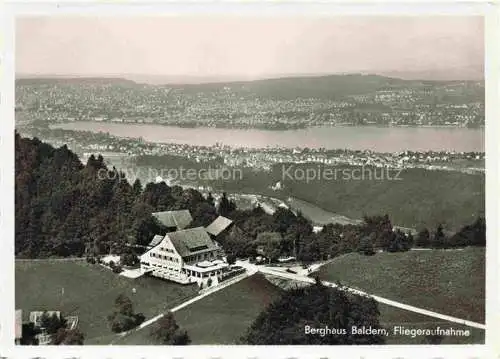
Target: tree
x: 316, y: 306
x: 226, y: 206
x: 410, y: 240
x: 283, y: 218
x: 238, y: 243
x: 64, y: 207
x: 123, y: 317
x: 400, y: 242
x: 231, y: 259
x: 167, y: 332
x: 203, y: 214
x: 68, y: 337
x: 210, y: 199
x: 309, y: 249
x: 52, y: 323
x: 270, y: 241
x: 124, y: 305
x: 366, y: 246
x: 470, y: 235
x: 129, y: 259
x: 381, y: 227
x: 423, y: 238
x: 439, y: 238
x: 137, y: 187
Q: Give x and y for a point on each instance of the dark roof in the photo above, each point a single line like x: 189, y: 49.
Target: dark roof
x: 219, y: 225
x: 156, y: 240
x: 191, y: 241
x: 180, y: 219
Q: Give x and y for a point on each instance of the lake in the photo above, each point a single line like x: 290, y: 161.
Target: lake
x: 379, y: 139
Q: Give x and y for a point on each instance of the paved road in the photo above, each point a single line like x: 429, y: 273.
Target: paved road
x: 392, y: 303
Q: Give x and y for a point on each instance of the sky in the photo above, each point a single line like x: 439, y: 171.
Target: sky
x: 248, y: 47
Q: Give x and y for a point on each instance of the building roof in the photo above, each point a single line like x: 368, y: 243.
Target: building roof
x: 218, y: 225
x: 191, y: 241
x: 156, y: 240
x: 19, y: 324
x: 180, y: 219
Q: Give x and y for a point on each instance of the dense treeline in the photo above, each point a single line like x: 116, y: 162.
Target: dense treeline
x: 297, y: 239
x: 65, y: 208
x: 470, y: 235
x: 303, y: 316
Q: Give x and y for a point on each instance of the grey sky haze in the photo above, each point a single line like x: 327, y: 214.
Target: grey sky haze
x: 247, y: 47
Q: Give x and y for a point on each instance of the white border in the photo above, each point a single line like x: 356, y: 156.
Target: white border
x: 74, y: 7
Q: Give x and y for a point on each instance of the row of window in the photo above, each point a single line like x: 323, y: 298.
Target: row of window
x: 166, y: 267
x: 200, y: 257
x: 160, y: 256
x: 167, y: 250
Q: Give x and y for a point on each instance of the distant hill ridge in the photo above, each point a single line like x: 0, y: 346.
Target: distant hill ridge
x: 308, y: 86
x: 61, y: 79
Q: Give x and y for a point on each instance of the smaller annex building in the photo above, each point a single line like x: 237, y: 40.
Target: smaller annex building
x: 174, y: 220
x: 185, y: 256
x: 219, y: 226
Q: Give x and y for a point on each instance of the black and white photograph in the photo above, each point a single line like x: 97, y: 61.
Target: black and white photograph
x: 250, y: 180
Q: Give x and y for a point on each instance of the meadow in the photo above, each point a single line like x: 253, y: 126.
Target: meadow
x: 447, y: 281
x: 450, y: 282
x: 220, y: 318
x: 75, y: 287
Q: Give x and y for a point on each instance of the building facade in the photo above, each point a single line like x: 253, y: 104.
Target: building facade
x: 185, y: 256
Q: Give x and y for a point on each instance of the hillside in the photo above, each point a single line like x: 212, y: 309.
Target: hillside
x: 451, y: 282
x: 289, y: 88
x: 29, y: 80
x: 418, y: 198
x: 221, y: 318
x: 422, y: 198
x: 88, y: 291
x: 286, y: 88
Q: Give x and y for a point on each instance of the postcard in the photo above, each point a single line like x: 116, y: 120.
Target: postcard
x: 245, y: 184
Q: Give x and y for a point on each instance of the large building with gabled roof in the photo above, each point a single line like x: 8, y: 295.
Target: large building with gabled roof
x: 185, y: 256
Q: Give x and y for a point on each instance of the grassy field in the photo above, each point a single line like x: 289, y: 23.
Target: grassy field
x: 89, y: 292
x: 447, y: 281
x: 451, y: 282
x: 419, y: 198
x: 223, y: 317
x: 220, y: 318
